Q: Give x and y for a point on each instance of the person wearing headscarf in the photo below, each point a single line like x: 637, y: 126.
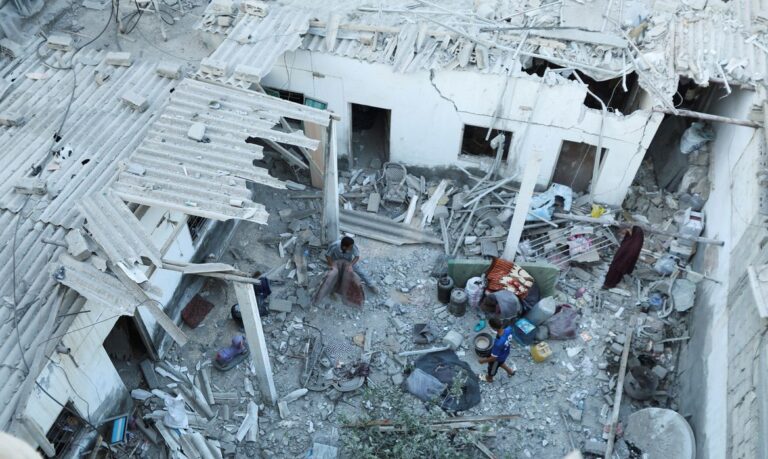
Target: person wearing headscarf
x: 626, y: 256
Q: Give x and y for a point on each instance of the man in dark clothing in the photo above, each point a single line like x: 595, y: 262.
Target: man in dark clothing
x: 499, y: 352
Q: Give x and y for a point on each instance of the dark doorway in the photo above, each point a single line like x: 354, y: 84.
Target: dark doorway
x: 126, y: 349
x: 575, y: 164
x: 370, y: 136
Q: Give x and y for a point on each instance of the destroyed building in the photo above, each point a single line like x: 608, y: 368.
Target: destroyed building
x: 157, y: 155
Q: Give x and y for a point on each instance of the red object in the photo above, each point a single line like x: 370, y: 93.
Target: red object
x: 625, y: 259
x: 505, y: 275
x: 195, y: 311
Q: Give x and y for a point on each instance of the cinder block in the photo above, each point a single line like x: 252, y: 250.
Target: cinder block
x: 224, y: 21
x: 254, y: 7
x: 280, y: 305
x: 122, y: 59
x: 213, y: 67
x: 219, y: 7
x: 196, y: 132
x: 60, y: 42
x: 30, y: 185
x: 11, y: 119
x: 169, y: 70
x: 135, y: 101
x: 77, y: 246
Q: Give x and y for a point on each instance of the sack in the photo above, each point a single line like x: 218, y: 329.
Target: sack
x: 563, y: 324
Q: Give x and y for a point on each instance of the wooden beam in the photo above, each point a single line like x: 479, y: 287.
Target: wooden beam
x: 164, y: 321
x: 522, y: 204
x: 708, y: 117
x: 331, y: 189
x: 249, y: 308
x: 619, y: 391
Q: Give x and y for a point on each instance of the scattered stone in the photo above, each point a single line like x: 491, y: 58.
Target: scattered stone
x: 168, y: 70
x: 660, y: 371
x: 60, y: 42
x: 119, y: 59
x: 196, y: 132
x: 135, y: 101
x: 594, y: 447
x: 280, y: 305
x: 77, y: 246
x: 282, y: 407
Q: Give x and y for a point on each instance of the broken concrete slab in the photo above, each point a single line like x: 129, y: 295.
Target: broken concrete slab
x: 196, y: 132
x: 295, y: 395
x: 374, y: 200
x: 168, y: 70
x: 135, y: 101
x: 77, y: 246
x: 30, y: 185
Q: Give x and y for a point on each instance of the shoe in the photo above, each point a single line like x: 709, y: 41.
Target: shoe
x: 480, y: 325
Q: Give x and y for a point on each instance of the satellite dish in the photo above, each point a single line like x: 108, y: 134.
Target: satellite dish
x: 660, y: 434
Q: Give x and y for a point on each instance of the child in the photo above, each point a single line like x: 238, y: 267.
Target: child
x: 500, y: 350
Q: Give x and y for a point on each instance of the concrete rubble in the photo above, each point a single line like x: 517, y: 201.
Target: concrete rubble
x: 598, y: 390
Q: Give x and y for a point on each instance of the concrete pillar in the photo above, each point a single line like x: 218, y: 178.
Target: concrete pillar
x: 522, y: 204
x: 249, y: 308
x: 331, y: 188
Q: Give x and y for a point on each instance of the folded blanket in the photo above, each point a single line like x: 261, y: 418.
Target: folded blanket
x: 343, y: 280
x: 505, y: 275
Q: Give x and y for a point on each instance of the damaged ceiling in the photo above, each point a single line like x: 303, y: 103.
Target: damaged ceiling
x: 207, y: 177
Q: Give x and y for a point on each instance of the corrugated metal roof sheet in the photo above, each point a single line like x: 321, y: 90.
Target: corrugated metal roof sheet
x: 257, y: 43
x: 117, y: 230
x: 99, y: 287
x: 208, y: 178
x: 100, y: 130
x: 38, y: 305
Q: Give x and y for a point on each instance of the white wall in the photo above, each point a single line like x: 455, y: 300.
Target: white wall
x: 93, y: 384
x: 731, y: 206
x: 429, y: 112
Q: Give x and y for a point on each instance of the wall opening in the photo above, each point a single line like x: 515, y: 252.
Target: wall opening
x: 196, y: 225
x: 575, y: 165
x: 370, y: 136
x: 126, y: 349
x: 64, y: 430
x: 290, y: 96
x: 473, y: 142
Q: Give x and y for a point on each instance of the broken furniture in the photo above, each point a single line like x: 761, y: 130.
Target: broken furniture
x: 395, y: 188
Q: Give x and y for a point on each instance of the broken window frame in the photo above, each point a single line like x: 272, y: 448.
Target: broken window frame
x: 594, y: 178
x: 196, y: 226
x: 58, y: 436
x: 482, y: 158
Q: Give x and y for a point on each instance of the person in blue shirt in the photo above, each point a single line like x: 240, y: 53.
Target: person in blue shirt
x: 499, y: 352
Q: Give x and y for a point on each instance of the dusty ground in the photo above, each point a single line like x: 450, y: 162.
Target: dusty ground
x: 574, y: 386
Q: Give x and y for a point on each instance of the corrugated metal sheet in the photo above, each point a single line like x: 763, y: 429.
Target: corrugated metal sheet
x: 100, y: 130
x: 39, y: 303
x: 202, y: 178
x: 96, y: 286
x: 258, y: 43
x: 117, y: 230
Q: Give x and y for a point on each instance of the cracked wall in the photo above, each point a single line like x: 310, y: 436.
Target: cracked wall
x: 718, y: 366
x: 430, y: 109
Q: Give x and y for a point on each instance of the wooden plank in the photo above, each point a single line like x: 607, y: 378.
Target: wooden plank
x: 316, y: 157
x: 373, y: 202
x: 411, y: 209
x: 331, y: 190
x: 249, y: 308
x: 302, y: 277
x: 446, y: 239
x: 164, y: 321
x: 619, y: 391
x: 197, y: 268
